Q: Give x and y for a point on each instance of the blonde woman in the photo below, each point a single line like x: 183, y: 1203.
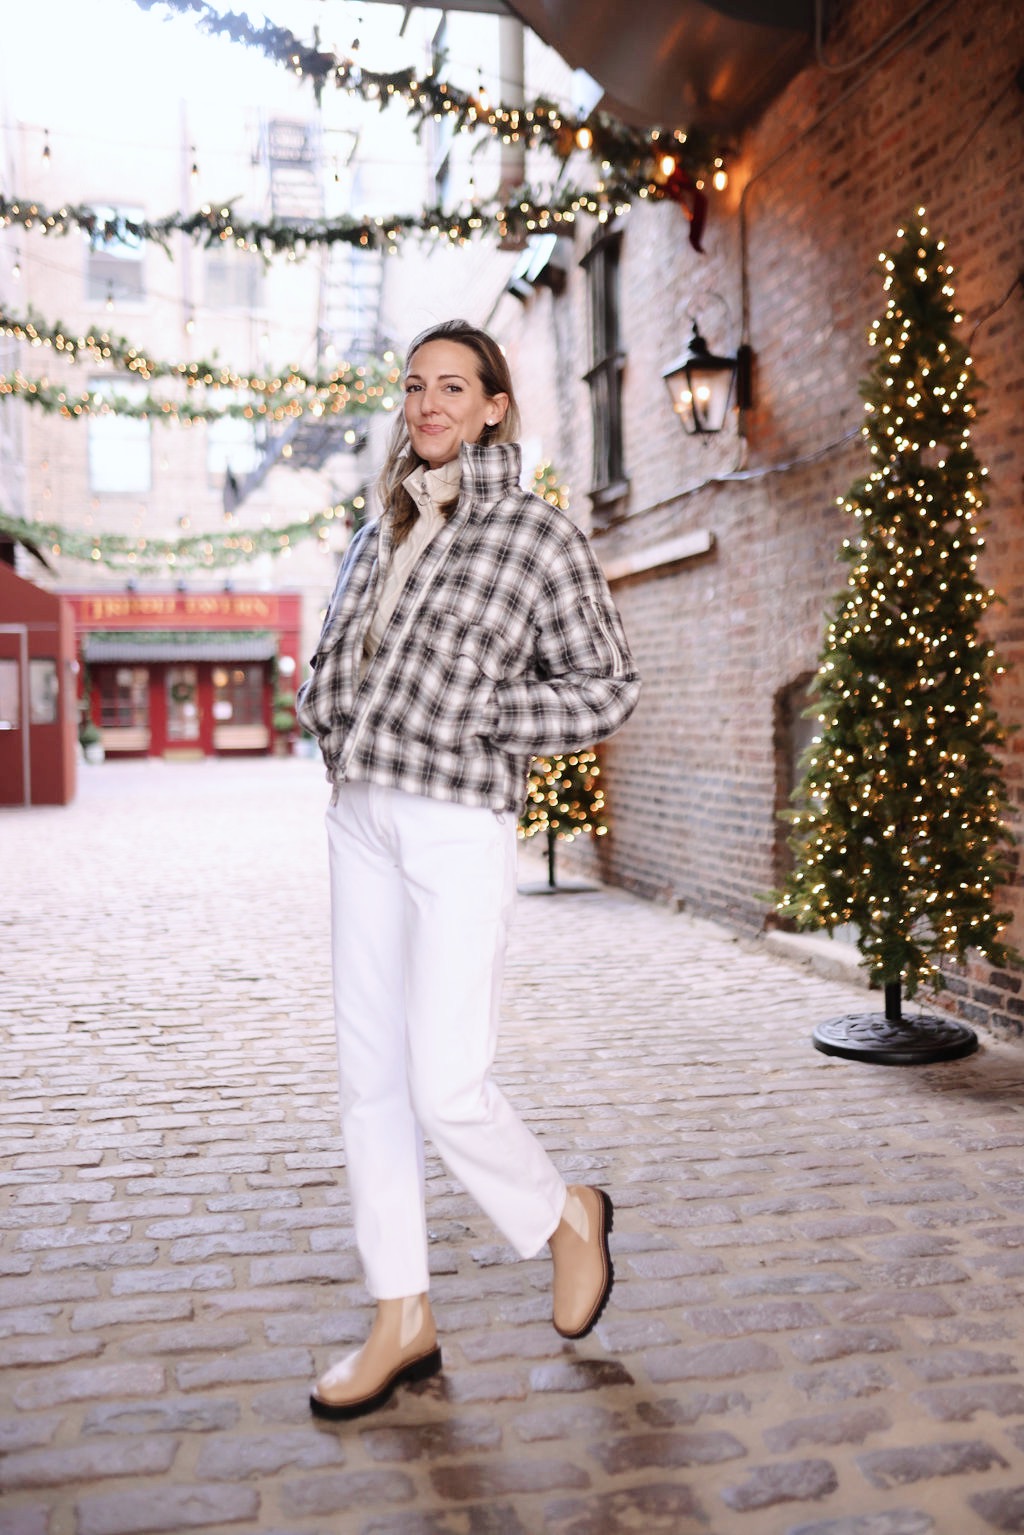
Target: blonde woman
x: 470, y: 629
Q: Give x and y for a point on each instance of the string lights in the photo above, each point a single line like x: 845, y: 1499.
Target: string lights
x: 901, y: 829
x: 563, y: 800
x: 141, y: 553
x: 215, y: 550
x: 526, y: 210
x: 633, y: 157
x: 350, y: 389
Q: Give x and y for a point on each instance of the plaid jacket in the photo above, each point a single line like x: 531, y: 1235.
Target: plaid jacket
x: 504, y: 645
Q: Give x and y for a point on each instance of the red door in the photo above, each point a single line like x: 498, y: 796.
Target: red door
x: 15, y: 776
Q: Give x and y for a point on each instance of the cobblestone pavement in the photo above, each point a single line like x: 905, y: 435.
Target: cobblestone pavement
x: 817, y: 1327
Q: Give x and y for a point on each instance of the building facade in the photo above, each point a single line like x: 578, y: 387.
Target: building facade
x: 187, y: 674
x: 723, y: 552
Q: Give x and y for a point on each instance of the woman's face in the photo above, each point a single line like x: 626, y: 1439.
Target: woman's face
x: 445, y: 403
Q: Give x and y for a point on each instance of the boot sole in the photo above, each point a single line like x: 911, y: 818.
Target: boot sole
x: 417, y: 1369
x: 607, y: 1221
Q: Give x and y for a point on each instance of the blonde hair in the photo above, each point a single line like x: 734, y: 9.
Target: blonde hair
x: 402, y: 459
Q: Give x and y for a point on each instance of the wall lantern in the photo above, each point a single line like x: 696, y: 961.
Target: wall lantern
x: 701, y: 385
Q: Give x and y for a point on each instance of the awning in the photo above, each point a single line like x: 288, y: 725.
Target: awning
x: 140, y: 646
x: 711, y: 64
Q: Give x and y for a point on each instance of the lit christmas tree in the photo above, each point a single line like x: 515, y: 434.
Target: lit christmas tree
x: 901, y: 830
x: 563, y: 800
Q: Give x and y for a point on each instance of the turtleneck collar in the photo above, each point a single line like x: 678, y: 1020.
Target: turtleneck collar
x: 487, y: 475
x: 441, y: 485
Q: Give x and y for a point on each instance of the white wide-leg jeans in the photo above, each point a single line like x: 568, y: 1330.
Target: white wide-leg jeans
x: 422, y: 892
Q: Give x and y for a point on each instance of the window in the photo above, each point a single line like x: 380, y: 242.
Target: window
x: 115, y: 268
x: 601, y: 264
x: 124, y: 697
x: 238, y: 694
x: 119, y: 446
x: 10, y: 696
x: 232, y: 444
x: 234, y: 278
x: 42, y: 692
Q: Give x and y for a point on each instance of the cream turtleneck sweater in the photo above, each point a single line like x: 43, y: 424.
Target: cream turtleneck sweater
x: 430, y: 489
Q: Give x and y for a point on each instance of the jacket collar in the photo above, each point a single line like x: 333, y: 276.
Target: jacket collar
x: 489, y: 473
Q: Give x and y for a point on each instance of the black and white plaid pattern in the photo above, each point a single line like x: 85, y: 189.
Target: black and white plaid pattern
x: 505, y: 644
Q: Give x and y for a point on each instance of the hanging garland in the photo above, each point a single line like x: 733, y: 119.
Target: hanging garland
x: 630, y: 153
x: 361, y: 384
x: 526, y: 211
x: 121, y: 551
x: 351, y: 391
x: 56, y: 399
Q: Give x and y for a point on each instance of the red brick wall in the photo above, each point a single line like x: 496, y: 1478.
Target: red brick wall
x: 825, y: 179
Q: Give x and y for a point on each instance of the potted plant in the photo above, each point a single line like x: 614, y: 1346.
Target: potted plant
x: 282, y: 721
x: 90, y: 739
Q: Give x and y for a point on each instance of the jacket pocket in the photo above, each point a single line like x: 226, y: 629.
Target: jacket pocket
x: 449, y: 697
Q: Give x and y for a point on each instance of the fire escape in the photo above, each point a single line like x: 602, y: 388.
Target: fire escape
x: 348, y: 310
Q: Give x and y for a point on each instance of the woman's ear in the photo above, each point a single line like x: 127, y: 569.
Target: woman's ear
x: 497, y: 405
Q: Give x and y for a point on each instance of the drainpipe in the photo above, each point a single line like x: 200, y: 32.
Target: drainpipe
x: 512, y: 91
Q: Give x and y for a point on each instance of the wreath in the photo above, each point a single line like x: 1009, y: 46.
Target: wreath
x: 182, y: 692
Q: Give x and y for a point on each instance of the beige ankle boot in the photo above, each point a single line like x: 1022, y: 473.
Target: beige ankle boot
x: 402, y: 1346
x: 583, y: 1267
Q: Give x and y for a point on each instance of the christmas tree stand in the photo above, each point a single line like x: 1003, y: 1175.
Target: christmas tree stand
x: 890, y: 1039
x: 552, y: 887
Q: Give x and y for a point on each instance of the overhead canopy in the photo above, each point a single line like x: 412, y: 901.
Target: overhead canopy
x: 712, y: 64
x: 139, y: 645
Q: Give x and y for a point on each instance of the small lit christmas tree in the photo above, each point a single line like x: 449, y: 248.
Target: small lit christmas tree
x: 901, y: 827
x: 563, y: 800
x: 547, y: 485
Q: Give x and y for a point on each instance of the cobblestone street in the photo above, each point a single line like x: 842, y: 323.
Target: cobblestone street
x: 817, y: 1325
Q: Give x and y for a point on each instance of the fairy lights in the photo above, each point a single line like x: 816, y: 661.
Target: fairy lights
x: 351, y: 389
x: 901, y: 826
x: 213, y: 550
x: 564, y: 799
x: 525, y: 210
x: 540, y: 123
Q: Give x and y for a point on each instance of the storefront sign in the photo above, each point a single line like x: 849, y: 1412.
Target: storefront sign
x: 105, y: 610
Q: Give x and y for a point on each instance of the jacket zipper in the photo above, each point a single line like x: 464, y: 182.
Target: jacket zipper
x: 339, y: 772
x: 603, y: 627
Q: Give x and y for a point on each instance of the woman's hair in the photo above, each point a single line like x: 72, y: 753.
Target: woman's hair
x: 402, y: 459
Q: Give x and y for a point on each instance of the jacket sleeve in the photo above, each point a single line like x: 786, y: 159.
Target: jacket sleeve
x: 583, y: 684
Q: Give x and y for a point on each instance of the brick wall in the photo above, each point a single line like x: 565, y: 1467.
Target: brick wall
x: 824, y: 179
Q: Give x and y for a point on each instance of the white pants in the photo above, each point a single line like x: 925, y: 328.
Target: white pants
x: 422, y: 892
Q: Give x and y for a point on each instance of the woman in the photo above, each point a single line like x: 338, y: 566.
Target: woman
x: 469, y: 630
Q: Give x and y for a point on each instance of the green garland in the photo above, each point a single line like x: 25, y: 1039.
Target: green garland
x: 361, y: 383
x: 525, y: 211
x: 610, y: 143
x: 56, y: 399
x: 120, y: 551
x: 350, y: 391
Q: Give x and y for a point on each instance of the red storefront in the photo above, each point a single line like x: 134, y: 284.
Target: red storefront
x: 38, y: 749
x: 187, y: 674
